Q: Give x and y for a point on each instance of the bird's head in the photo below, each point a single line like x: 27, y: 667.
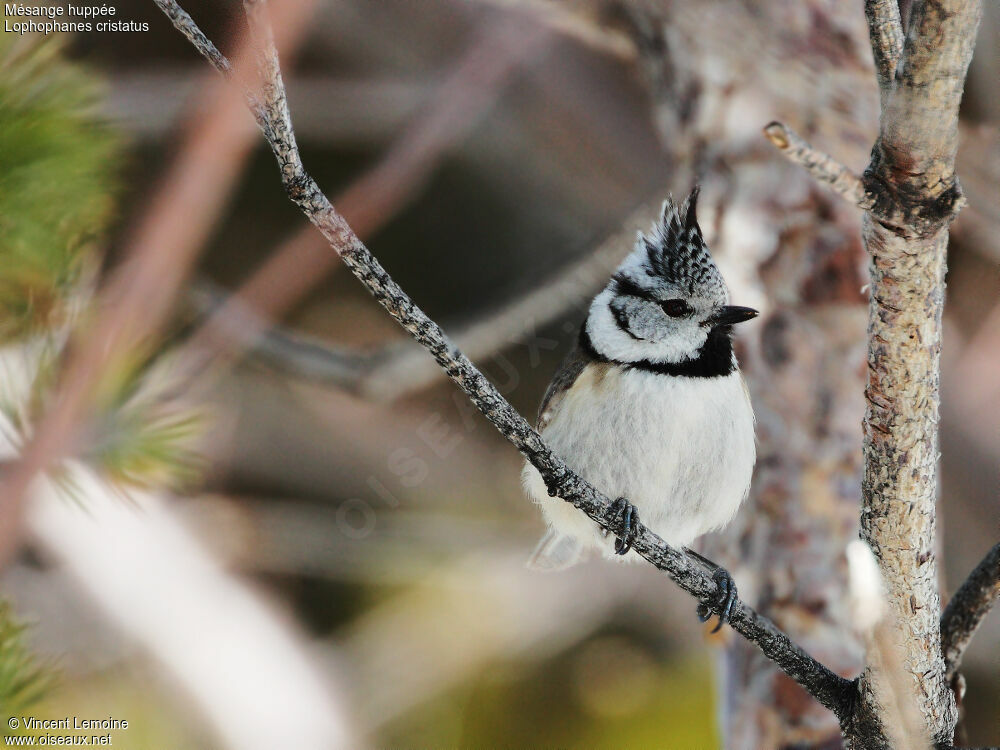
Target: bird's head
x: 667, y: 299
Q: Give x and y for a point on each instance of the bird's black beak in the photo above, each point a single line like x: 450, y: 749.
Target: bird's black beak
x: 730, y: 315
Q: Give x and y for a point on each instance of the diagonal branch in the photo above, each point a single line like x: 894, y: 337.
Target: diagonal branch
x: 967, y: 608
x: 913, y: 163
x: 830, y: 689
x: 186, y: 25
x: 457, y: 104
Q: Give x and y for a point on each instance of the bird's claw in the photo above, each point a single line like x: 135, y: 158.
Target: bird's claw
x: 725, y: 599
x: 630, y: 522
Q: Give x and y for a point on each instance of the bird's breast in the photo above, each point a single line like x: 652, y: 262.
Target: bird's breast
x: 681, y: 449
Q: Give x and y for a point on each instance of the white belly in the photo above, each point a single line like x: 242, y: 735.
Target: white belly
x: 680, y: 449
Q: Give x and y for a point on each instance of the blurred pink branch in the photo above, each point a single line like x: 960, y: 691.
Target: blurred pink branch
x: 300, y: 264
x: 567, y: 21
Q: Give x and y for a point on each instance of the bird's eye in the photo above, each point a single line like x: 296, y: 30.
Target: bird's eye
x: 676, y: 308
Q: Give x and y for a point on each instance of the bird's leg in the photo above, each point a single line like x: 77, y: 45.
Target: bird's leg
x: 630, y: 522
x: 725, y: 597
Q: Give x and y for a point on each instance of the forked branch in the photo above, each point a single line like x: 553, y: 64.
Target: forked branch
x: 833, y: 691
x: 910, y: 194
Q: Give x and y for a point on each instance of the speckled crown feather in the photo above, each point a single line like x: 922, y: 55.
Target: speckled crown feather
x: 676, y: 251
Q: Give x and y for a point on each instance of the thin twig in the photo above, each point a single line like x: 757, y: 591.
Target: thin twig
x: 967, y: 608
x: 822, y: 167
x: 886, y: 34
x: 830, y: 689
x: 186, y: 25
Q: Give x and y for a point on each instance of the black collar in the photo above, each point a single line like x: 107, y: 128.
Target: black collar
x: 714, y: 360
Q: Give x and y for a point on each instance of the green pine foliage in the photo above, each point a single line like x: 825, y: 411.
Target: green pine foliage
x: 58, y: 178
x: 23, y: 679
x: 151, y: 450
x: 140, y: 438
x: 57, y: 167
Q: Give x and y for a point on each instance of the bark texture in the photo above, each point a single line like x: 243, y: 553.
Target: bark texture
x: 912, y: 176
x: 792, y: 249
x: 814, y: 59
x: 901, y: 456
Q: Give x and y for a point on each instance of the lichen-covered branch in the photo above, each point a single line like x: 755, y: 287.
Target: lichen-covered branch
x: 186, y: 25
x: 829, y: 688
x: 967, y: 608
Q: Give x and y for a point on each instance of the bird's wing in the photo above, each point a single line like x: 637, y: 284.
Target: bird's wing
x: 564, y: 379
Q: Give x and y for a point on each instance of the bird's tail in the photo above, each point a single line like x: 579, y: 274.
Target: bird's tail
x: 556, y: 552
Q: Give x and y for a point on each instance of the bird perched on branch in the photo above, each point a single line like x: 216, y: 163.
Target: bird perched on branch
x: 650, y: 406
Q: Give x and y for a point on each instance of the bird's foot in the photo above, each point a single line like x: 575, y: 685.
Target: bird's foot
x: 630, y: 523
x: 725, y: 594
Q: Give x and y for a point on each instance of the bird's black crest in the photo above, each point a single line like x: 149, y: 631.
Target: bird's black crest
x: 676, y: 251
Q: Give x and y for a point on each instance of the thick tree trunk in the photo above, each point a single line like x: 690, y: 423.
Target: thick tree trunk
x: 796, y: 249
x: 901, y: 450
x: 739, y: 60
x: 916, y: 195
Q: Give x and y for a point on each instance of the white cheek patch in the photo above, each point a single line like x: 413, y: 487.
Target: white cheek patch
x: 670, y: 344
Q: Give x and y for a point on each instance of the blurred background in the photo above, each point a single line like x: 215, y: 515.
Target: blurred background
x: 283, y: 527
